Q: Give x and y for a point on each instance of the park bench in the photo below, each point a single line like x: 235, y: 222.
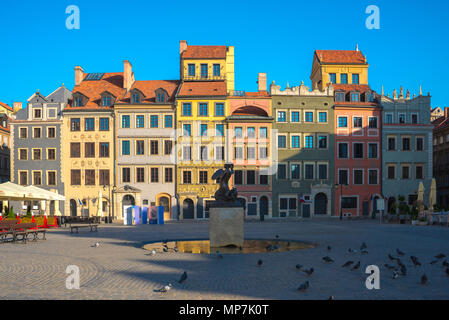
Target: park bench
x: 92, y: 226
x: 23, y: 230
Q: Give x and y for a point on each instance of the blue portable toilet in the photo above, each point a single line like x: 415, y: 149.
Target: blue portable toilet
x: 153, y: 215
x: 160, y: 215
x: 144, y: 215
x: 128, y: 221
x: 136, y: 215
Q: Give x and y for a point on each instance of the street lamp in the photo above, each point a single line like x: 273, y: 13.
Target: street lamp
x: 341, y: 193
x: 111, y: 207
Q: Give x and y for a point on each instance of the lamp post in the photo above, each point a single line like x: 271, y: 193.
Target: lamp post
x: 341, y: 193
x: 111, y: 207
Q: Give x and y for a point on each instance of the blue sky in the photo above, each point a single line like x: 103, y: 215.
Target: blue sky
x: 276, y: 37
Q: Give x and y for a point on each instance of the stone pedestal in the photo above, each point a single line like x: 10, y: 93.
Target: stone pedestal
x: 226, y: 226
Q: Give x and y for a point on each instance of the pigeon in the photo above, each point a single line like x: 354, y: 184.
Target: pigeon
x: 423, y: 279
x: 389, y: 267
x: 445, y: 264
x: 328, y: 260
x: 96, y: 245
x: 440, y: 256
x: 240, y: 248
x: 303, y: 287
x: 331, y: 298
x: 363, y: 246
x: 288, y: 244
x: 165, y: 249
x: 219, y: 255
x: 403, y: 270
x: 308, y: 272
x: 175, y: 249
x: 433, y: 262
x: 347, y: 264
x: 259, y: 263
x: 395, y: 275
x: 164, y: 288
x: 277, y: 236
x: 356, y: 266
x: 183, y: 277
x: 299, y: 266
x: 152, y: 253
x: 400, y: 253
x: 352, y: 251
x: 363, y: 251
x: 447, y: 271
x: 392, y: 258
x: 329, y: 248
x: 276, y: 247
x: 270, y: 248
x: 415, y: 261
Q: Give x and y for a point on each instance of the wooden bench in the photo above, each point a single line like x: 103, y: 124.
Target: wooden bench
x: 92, y: 226
x: 23, y: 230
x: 7, y: 229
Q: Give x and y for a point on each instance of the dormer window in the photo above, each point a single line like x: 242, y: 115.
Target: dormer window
x: 340, y: 96
x: 135, y: 97
x: 37, y: 113
x: 161, y: 96
x: 355, y: 96
x: 106, y: 101
x: 369, y: 97
x: 78, y: 100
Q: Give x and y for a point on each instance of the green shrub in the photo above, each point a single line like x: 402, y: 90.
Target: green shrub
x: 11, y: 214
x: 414, y: 213
x: 401, y: 198
x: 393, y: 207
x: 404, y: 208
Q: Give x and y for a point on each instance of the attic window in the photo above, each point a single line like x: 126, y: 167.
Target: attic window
x: 106, y: 101
x: 135, y: 97
x: 355, y: 96
x: 78, y: 100
x: 161, y: 96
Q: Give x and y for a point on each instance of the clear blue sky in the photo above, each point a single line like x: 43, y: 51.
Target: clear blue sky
x: 276, y: 37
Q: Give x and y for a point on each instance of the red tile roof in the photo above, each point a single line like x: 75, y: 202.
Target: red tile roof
x: 340, y: 56
x: 352, y: 87
x: 111, y: 82
x: 149, y: 87
x: 260, y: 94
x: 440, y: 123
x: 4, y: 105
x: 203, y: 88
x: 204, y: 52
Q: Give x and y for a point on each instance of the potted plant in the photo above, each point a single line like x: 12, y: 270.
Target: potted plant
x: 392, y: 212
x: 404, y: 212
x: 423, y: 221
x: 11, y: 215
x: 414, y: 215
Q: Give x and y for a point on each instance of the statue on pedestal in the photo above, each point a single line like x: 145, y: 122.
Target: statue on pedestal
x: 222, y: 176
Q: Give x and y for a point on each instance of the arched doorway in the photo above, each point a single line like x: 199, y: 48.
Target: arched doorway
x: 72, y: 208
x: 320, y: 204
x: 128, y: 202
x: 263, y: 205
x: 165, y: 202
x: 188, y: 211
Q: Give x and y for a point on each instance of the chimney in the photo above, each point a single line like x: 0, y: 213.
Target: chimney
x: 128, y: 75
x: 79, y: 75
x: 182, y: 46
x: 446, y: 113
x: 262, y: 82
x: 17, y: 106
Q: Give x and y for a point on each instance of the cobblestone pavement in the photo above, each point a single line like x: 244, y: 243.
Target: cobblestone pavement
x: 120, y: 269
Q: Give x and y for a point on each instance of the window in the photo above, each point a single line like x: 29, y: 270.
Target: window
x: 372, y: 150
x: 89, y: 124
x: 204, y: 70
x: 296, y: 171
x: 140, y: 121
x: 295, y: 116
x: 203, y: 177
x: 322, y: 171
x: 322, y: 142
x: 125, y: 148
x: 219, y: 109
x: 332, y: 78
x: 282, y: 142
x: 23, y: 178
x: 372, y: 122
x: 263, y: 132
x: 126, y: 174
x: 343, y: 150
x: 216, y: 70
x: 358, y: 151
x: 309, y: 171
x: 23, y: 154
x: 391, y: 144
x: 355, y: 97
x: 168, y: 121
x: 37, y: 113
x: 89, y: 177
x: 309, y: 142
x: 419, y: 172
x: 238, y: 132
x: 405, y: 172
x: 219, y: 153
x: 106, y: 101
x: 36, y: 154
x: 154, y: 121
x: 251, y: 132
x: 372, y: 176
x: 358, y: 122
x: 238, y: 153
x: 238, y: 177
x: 140, y: 147
x: 349, y: 202
x: 344, y: 78
x: 203, y: 109
x: 343, y: 176
x: 203, y: 130
x: 402, y: 118
x: 342, y: 122
x: 295, y: 142
x: 263, y: 152
x: 322, y: 117
x: 135, y: 97
x: 187, y: 130
x: 251, y: 153
x: 340, y: 96
x: 37, y: 178
x: 75, y: 176
x: 250, y: 177
x: 104, y: 124
x: 154, y: 173
x: 191, y: 70
x: 23, y: 133
x: 203, y: 153
x: 78, y: 101
x: 405, y: 144
x: 51, y: 132
x: 281, y: 116
x: 287, y: 204
x: 104, y: 149
x: 282, y: 172
x: 125, y: 121
x: 186, y: 109
x: 160, y: 96
x: 389, y: 118
x: 89, y: 149
x: 263, y: 179
x: 308, y: 116
x: 75, y: 150
x: 36, y: 133
x: 358, y: 176
x: 187, y: 177
x: 51, y: 154
x: 414, y: 118
x: 369, y: 97
x: 168, y: 146
x: 51, y: 178
x: 168, y: 174
x: 355, y: 78
x: 154, y: 147
x: 104, y: 177
x: 391, y: 172
x: 187, y: 153
x: 419, y: 144
x: 140, y: 175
